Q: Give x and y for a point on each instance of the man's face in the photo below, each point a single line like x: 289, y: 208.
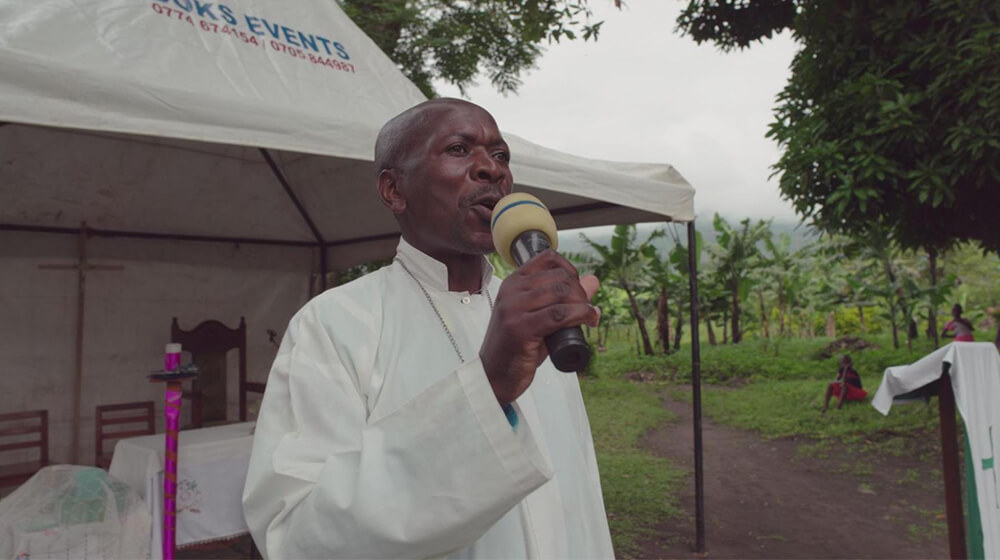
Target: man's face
x: 454, y: 175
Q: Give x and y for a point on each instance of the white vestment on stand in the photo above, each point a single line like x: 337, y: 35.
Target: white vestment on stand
x: 374, y: 441
x: 975, y: 380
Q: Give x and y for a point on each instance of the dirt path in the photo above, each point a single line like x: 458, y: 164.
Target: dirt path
x: 762, y: 500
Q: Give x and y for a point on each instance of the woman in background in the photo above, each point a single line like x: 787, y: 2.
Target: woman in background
x: 847, y: 386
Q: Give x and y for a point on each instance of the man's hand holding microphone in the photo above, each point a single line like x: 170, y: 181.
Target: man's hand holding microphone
x: 540, y: 307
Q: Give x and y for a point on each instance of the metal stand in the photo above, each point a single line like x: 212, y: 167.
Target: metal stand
x: 949, y: 466
x: 172, y: 414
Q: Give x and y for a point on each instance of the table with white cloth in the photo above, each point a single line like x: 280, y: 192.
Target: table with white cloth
x: 212, y: 468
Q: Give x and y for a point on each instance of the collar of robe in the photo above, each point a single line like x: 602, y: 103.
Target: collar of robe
x: 431, y: 272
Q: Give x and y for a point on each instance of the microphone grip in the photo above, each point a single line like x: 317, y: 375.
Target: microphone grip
x: 568, y: 348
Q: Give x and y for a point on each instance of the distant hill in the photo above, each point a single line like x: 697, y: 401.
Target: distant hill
x: 570, y: 242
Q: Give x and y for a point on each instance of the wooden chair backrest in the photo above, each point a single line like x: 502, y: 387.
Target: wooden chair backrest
x: 20, y: 431
x: 213, y: 337
x: 125, y: 420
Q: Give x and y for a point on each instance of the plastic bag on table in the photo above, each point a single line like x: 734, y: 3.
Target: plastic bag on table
x: 72, y: 511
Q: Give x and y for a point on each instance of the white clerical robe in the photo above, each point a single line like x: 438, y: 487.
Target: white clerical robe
x: 373, y: 440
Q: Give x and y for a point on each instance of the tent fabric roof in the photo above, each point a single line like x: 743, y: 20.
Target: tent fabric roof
x: 156, y: 113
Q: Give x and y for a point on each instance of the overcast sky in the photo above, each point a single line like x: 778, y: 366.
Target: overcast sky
x: 643, y: 93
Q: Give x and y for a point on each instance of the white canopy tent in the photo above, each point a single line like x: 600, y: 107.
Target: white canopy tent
x: 219, y: 156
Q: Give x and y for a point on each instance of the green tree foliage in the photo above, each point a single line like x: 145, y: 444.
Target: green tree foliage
x: 678, y: 260
x: 735, y: 23
x: 626, y: 264
x: 891, y: 117
x: 666, y: 281
x: 783, y: 269
x: 456, y: 40
x: 736, y: 254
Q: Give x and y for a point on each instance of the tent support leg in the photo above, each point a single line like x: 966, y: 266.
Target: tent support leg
x: 324, y: 267
x: 81, y: 291
x: 82, y: 267
x: 699, y: 479
x: 949, y: 466
x: 283, y: 181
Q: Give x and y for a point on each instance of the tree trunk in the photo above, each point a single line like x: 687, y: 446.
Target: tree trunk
x: 711, y: 332
x: 895, y: 328
x: 737, y: 335
x: 781, y: 315
x: 765, y: 320
x: 891, y: 276
x: 663, y: 320
x: 932, y: 326
x: 725, y: 325
x: 639, y: 319
x: 679, y: 330
x: 831, y: 324
x: 861, y: 317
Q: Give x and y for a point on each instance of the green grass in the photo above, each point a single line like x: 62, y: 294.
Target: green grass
x: 782, y: 408
x: 640, y: 490
x: 755, y: 359
x: 774, y: 389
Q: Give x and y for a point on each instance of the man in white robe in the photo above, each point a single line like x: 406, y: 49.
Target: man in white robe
x: 413, y: 413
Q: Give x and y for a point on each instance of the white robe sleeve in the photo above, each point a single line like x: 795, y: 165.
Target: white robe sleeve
x: 328, y: 481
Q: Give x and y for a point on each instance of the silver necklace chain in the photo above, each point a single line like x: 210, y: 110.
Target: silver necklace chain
x: 444, y: 325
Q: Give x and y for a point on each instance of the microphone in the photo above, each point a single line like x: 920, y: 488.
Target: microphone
x: 522, y: 228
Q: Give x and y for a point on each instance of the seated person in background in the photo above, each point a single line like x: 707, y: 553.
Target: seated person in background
x: 847, y: 386
x: 962, y: 326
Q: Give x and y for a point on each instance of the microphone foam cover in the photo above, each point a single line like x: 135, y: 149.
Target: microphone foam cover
x: 515, y: 214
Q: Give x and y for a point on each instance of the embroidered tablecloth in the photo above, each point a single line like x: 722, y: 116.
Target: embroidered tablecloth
x: 212, y: 468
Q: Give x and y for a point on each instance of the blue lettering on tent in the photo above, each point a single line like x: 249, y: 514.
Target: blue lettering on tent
x: 341, y: 51
x: 205, y: 10
x: 326, y: 44
x: 274, y: 31
x: 290, y: 36
x: 254, y: 24
x: 227, y: 14
x: 308, y: 41
x: 211, y: 11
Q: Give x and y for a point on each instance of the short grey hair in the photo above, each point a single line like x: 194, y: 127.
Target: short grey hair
x: 392, y: 145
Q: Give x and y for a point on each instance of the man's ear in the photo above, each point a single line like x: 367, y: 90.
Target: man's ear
x: 389, y: 192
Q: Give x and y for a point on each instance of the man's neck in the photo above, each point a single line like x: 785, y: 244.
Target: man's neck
x: 465, y: 272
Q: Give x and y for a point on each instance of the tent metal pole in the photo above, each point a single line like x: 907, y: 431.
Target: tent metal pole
x: 302, y: 212
x: 82, y: 267
x: 949, y: 466
x: 78, y: 374
x: 699, y: 480
x: 323, y: 267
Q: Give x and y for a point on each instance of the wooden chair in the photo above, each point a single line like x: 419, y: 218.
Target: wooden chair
x: 208, y: 343
x: 16, y: 434
x: 126, y: 420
